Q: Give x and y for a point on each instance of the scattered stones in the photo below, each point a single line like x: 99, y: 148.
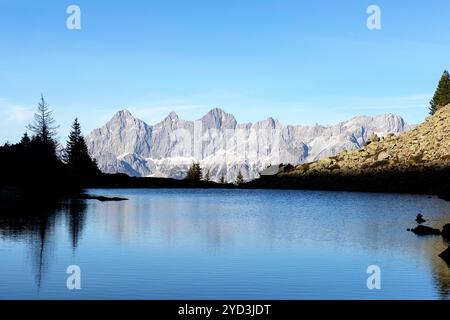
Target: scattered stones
x: 383, y: 155
x: 373, y: 138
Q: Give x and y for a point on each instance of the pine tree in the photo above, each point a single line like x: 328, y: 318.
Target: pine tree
x: 194, y: 173
x: 44, y: 125
x: 25, y: 141
x: 207, y: 176
x: 76, y: 153
x: 239, y: 178
x: 222, y: 179
x: 442, y: 95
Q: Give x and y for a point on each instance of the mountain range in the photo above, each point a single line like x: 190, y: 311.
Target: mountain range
x: 222, y: 146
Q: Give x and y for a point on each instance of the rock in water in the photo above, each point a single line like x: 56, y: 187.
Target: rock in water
x: 420, y: 219
x: 446, y: 231
x: 99, y: 198
x: 425, y: 231
x: 445, y: 255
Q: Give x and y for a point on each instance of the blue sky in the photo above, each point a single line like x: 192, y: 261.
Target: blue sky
x: 302, y: 62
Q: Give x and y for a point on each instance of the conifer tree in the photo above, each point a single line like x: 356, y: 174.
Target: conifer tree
x: 442, y: 95
x: 76, y: 153
x: 194, y: 173
x: 239, y: 178
x: 207, y: 176
x: 44, y: 126
x: 25, y: 141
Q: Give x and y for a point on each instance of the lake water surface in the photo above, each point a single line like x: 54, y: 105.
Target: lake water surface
x: 226, y: 244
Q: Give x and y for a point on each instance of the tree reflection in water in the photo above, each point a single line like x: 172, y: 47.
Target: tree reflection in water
x: 36, y: 226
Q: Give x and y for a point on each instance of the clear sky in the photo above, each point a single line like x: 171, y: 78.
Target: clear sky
x: 302, y: 62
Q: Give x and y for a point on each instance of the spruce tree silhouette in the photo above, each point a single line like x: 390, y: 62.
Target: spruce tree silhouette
x: 25, y: 141
x: 76, y: 153
x: 442, y: 95
x: 239, y: 178
x: 194, y: 173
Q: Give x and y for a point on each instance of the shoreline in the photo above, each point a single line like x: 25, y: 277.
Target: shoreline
x: 429, y: 182
x: 434, y: 182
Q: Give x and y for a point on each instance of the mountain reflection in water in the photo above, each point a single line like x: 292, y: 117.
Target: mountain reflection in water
x: 226, y: 244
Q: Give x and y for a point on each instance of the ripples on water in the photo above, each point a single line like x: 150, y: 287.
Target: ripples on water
x: 220, y: 244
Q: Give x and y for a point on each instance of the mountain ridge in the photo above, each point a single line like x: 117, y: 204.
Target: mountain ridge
x: 222, y: 145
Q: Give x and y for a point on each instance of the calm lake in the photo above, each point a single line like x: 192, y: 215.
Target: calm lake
x: 226, y: 244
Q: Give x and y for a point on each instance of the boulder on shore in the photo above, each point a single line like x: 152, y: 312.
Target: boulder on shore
x: 445, y: 255
x: 446, y: 231
x: 425, y: 231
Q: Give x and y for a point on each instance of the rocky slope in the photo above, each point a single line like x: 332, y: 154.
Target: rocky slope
x: 425, y: 147
x: 129, y: 145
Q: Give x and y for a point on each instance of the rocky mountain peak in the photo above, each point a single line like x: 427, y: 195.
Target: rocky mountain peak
x: 122, y: 114
x: 122, y: 119
x: 217, y: 118
x: 172, y: 116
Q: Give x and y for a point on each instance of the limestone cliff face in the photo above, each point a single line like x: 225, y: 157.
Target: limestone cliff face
x: 223, y: 146
x: 426, y: 146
